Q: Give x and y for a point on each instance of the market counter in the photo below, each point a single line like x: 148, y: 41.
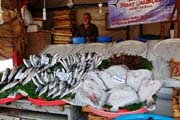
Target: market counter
x: 64, y: 112
x: 164, y: 106
x: 164, y: 100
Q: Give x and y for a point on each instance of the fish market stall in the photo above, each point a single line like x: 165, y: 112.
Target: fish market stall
x: 79, y: 76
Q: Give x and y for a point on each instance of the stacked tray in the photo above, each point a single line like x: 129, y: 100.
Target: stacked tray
x: 64, y: 22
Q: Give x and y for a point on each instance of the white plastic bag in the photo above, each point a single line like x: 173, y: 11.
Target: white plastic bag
x: 26, y: 15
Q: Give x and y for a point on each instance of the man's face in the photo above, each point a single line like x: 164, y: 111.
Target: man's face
x: 86, y: 19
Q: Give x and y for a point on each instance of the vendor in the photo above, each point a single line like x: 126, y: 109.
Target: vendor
x: 87, y: 29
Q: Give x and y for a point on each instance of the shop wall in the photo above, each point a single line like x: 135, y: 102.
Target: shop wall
x: 99, y: 20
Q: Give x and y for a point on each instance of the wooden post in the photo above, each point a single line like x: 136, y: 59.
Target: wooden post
x: 127, y: 32
x: 178, y: 15
x: 162, y: 36
x: 141, y: 30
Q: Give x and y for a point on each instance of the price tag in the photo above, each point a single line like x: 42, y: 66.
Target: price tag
x: 63, y: 76
x: 45, y: 60
x: 120, y: 78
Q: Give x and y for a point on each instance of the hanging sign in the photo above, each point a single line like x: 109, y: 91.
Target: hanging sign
x: 132, y: 12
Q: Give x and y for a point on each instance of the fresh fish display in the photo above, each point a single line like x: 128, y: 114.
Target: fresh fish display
x: 55, y: 75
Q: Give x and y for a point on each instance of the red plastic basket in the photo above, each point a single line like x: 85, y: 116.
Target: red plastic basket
x: 114, y: 114
x: 41, y: 102
x: 8, y: 100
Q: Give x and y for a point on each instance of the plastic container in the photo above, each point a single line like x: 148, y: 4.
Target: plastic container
x: 42, y: 102
x: 8, y: 100
x: 143, y: 117
x: 114, y: 114
x: 79, y: 40
x: 104, y: 39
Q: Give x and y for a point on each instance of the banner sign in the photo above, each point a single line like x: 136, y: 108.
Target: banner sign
x: 132, y: 12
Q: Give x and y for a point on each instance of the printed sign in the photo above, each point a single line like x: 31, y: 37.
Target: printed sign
x: 132, y: 12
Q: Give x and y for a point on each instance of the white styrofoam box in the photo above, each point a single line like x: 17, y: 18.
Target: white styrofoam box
x: 167, y: 49
x: 40, y: 23
x: 33, y: 28
x: 131, y: 47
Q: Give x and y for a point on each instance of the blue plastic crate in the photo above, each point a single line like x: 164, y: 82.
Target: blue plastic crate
x: 104, y: 39
x: 79, y: 40
x: 144, y: 117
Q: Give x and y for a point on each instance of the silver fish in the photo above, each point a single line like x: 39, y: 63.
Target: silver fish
x: 73, y: 90
x: 38, y: 89
x: 36, y: 60
x: 8, y: 86
x: 39, y: 78
x: 46, y: 59
x: 46, y: 77
x: 64, y: 64
x: 20, y: 74
x: 13, y: 74
x: 53, y: 91
x: 58, y: 93
x: 54, y: 59
x: 98, y: 62
x: 5, y: 75
x: 27, y: 63
x: 45, y: 89
x: 65, y: 91
x: 52, y: 77
x: 68, y: 61
x: 52, y: 85
x: 31, y: 60
x: 80, y: 75
x: 29, y: 77
x: 35, y: 81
